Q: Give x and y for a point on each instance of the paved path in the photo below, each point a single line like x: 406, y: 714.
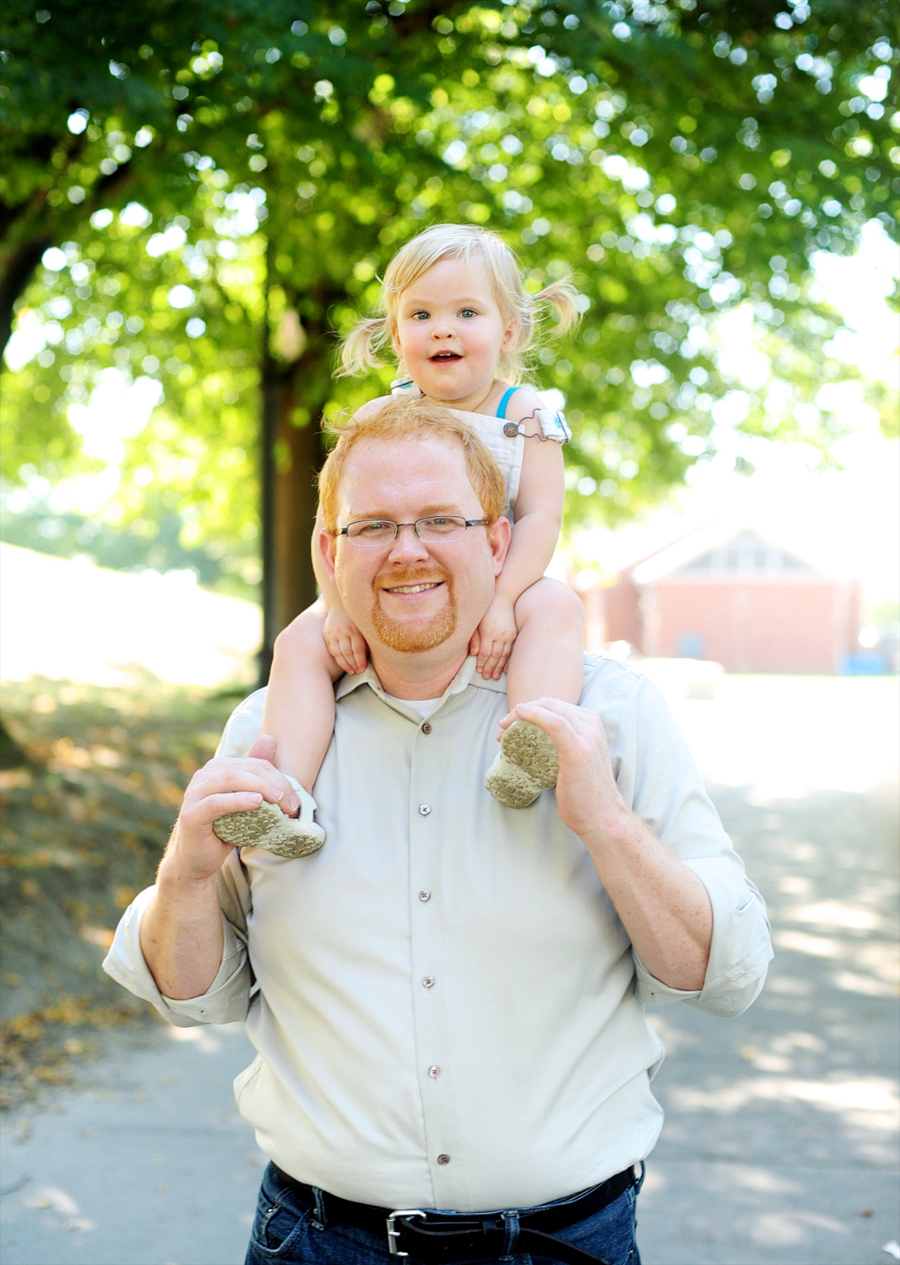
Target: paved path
x: 780, y: 1146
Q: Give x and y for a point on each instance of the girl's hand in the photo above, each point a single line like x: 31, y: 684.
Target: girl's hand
x: 493, y: 639
x: 225, y: 784
x: 345, y: 642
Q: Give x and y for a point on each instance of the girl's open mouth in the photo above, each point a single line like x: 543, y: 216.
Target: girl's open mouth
x: 443, y: 357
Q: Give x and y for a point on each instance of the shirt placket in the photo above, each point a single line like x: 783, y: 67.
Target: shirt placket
x: 428, y: 775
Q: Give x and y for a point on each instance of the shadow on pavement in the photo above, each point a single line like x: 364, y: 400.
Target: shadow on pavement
x: 780, y: 1144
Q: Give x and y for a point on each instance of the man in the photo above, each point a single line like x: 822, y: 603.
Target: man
x: 447, y: 1000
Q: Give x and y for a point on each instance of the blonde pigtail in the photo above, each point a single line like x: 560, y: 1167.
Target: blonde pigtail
x: 564, y: 297
x: 361, y: 348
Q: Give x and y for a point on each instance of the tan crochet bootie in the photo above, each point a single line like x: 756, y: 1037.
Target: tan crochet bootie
x: 526, y: 764
x: 268, y: 827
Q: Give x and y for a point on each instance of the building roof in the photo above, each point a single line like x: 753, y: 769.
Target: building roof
x: 722, y: 549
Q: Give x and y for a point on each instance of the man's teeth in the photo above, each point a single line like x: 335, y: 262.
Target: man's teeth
x: 413, y: 588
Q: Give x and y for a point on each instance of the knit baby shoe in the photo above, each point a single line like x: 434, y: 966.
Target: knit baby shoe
x: 268, y: 827
x: 526, y: 764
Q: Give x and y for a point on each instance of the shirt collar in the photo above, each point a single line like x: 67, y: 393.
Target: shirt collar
x: 465, y: 677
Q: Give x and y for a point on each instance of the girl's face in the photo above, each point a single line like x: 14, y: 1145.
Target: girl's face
x: 450, y: 333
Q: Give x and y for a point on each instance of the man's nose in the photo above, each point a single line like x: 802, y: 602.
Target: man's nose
x: 407, y: 544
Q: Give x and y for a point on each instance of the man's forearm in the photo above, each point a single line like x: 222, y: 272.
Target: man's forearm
x: 663, y: 905
x: 181, y: 933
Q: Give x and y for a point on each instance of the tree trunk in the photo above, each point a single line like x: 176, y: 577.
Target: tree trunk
x: 18, y: 272
x: 291, y: 455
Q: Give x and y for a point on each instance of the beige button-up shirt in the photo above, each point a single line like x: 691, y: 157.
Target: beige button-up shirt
x: 447, y: 1010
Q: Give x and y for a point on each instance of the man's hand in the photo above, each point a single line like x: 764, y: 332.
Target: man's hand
x: 663, y: 905
x: 586, y: 793
x: 346, y: 644
x: 493, y: 639
x: 224, y: 785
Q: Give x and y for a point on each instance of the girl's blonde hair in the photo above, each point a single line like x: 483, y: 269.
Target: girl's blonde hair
x: 363, y: 345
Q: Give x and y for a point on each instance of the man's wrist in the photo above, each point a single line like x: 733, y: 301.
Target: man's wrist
x: 617, y: 827
x: 175, y: 878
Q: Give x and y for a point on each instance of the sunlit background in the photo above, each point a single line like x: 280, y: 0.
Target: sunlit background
x: 195, y: 201
x: 844, y: 520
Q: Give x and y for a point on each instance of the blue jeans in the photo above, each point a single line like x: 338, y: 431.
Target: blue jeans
x: 286, y: 1231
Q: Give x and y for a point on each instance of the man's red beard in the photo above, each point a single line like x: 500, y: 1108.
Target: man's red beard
x: 398, y: 634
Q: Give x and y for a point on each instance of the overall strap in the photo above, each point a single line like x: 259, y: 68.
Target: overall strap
x: 501, y: 407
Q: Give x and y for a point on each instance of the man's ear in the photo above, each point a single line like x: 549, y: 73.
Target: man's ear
x: 325, y: 543
x: 499, y: 536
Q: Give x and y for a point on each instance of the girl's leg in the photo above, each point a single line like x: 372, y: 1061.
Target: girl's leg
x: 546, y: 661
x: 299, y: 707
x: 299, y: 715
x: 547, y: 655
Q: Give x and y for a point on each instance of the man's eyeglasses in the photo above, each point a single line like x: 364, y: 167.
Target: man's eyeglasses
x: 436, y: 529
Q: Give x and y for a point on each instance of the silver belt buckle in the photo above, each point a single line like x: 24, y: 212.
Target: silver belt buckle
x: 393, y: 1234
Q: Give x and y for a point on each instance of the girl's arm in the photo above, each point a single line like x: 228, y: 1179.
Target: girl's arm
x: 538, y: 518
x: 538, y: 515
x: 345, y: 642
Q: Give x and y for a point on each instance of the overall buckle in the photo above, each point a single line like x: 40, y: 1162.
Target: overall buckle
x: 393, y: 1234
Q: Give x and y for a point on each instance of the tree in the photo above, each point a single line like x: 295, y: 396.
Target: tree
x: 224, y: 181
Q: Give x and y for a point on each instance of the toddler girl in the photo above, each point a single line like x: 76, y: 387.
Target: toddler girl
x: 460, y: 321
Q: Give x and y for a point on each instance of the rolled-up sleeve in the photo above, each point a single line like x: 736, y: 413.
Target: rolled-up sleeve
x: 228, y: 997
x: 739, y: 954
x: 658, y: 778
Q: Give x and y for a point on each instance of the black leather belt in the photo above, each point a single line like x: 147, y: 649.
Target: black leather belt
x: 426, y: 1236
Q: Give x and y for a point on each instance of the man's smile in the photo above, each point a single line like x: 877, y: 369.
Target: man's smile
x: 412, y: 588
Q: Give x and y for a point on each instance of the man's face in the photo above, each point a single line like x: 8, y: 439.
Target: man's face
x: 410, y: 596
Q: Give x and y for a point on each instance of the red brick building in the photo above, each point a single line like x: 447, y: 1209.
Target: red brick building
x: 734, y: 597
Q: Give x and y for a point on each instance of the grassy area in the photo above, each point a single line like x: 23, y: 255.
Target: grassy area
x: 86, y: 811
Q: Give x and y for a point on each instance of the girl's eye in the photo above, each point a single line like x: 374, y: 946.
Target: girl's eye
x: 420, y: 316
x: 467, y: 311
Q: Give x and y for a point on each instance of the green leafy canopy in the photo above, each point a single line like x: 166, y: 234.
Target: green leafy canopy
x: 202, y: 193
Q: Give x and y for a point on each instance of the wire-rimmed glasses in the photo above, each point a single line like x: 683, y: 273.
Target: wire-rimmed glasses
x: 434, y: 529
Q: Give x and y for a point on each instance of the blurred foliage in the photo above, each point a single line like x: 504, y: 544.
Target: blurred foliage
x: 214, y: 187
x: 151, y: 541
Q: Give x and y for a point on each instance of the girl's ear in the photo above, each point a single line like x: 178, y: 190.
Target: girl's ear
x: 510, y: 335
x: 395, y: 342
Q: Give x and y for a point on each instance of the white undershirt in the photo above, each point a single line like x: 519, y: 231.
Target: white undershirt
x: 424, y: 706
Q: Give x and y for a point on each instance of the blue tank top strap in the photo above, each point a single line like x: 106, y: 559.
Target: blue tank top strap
x: 501, y: 407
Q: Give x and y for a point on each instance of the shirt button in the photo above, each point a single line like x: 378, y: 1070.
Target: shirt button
x: 510, y: 430
x: 443, y: 1159
x: 424, y: 894
x: 434, y: 1072
x: 428, y: 981
x: 426, y: 728
x: 424, y: 809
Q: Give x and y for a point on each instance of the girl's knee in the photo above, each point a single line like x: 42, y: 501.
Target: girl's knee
x: 304, y: 634
x: 552, y: 603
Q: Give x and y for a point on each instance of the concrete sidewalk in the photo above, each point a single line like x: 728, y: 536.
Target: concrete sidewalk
x: 147, y: 1162
x: 780, y: 1146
